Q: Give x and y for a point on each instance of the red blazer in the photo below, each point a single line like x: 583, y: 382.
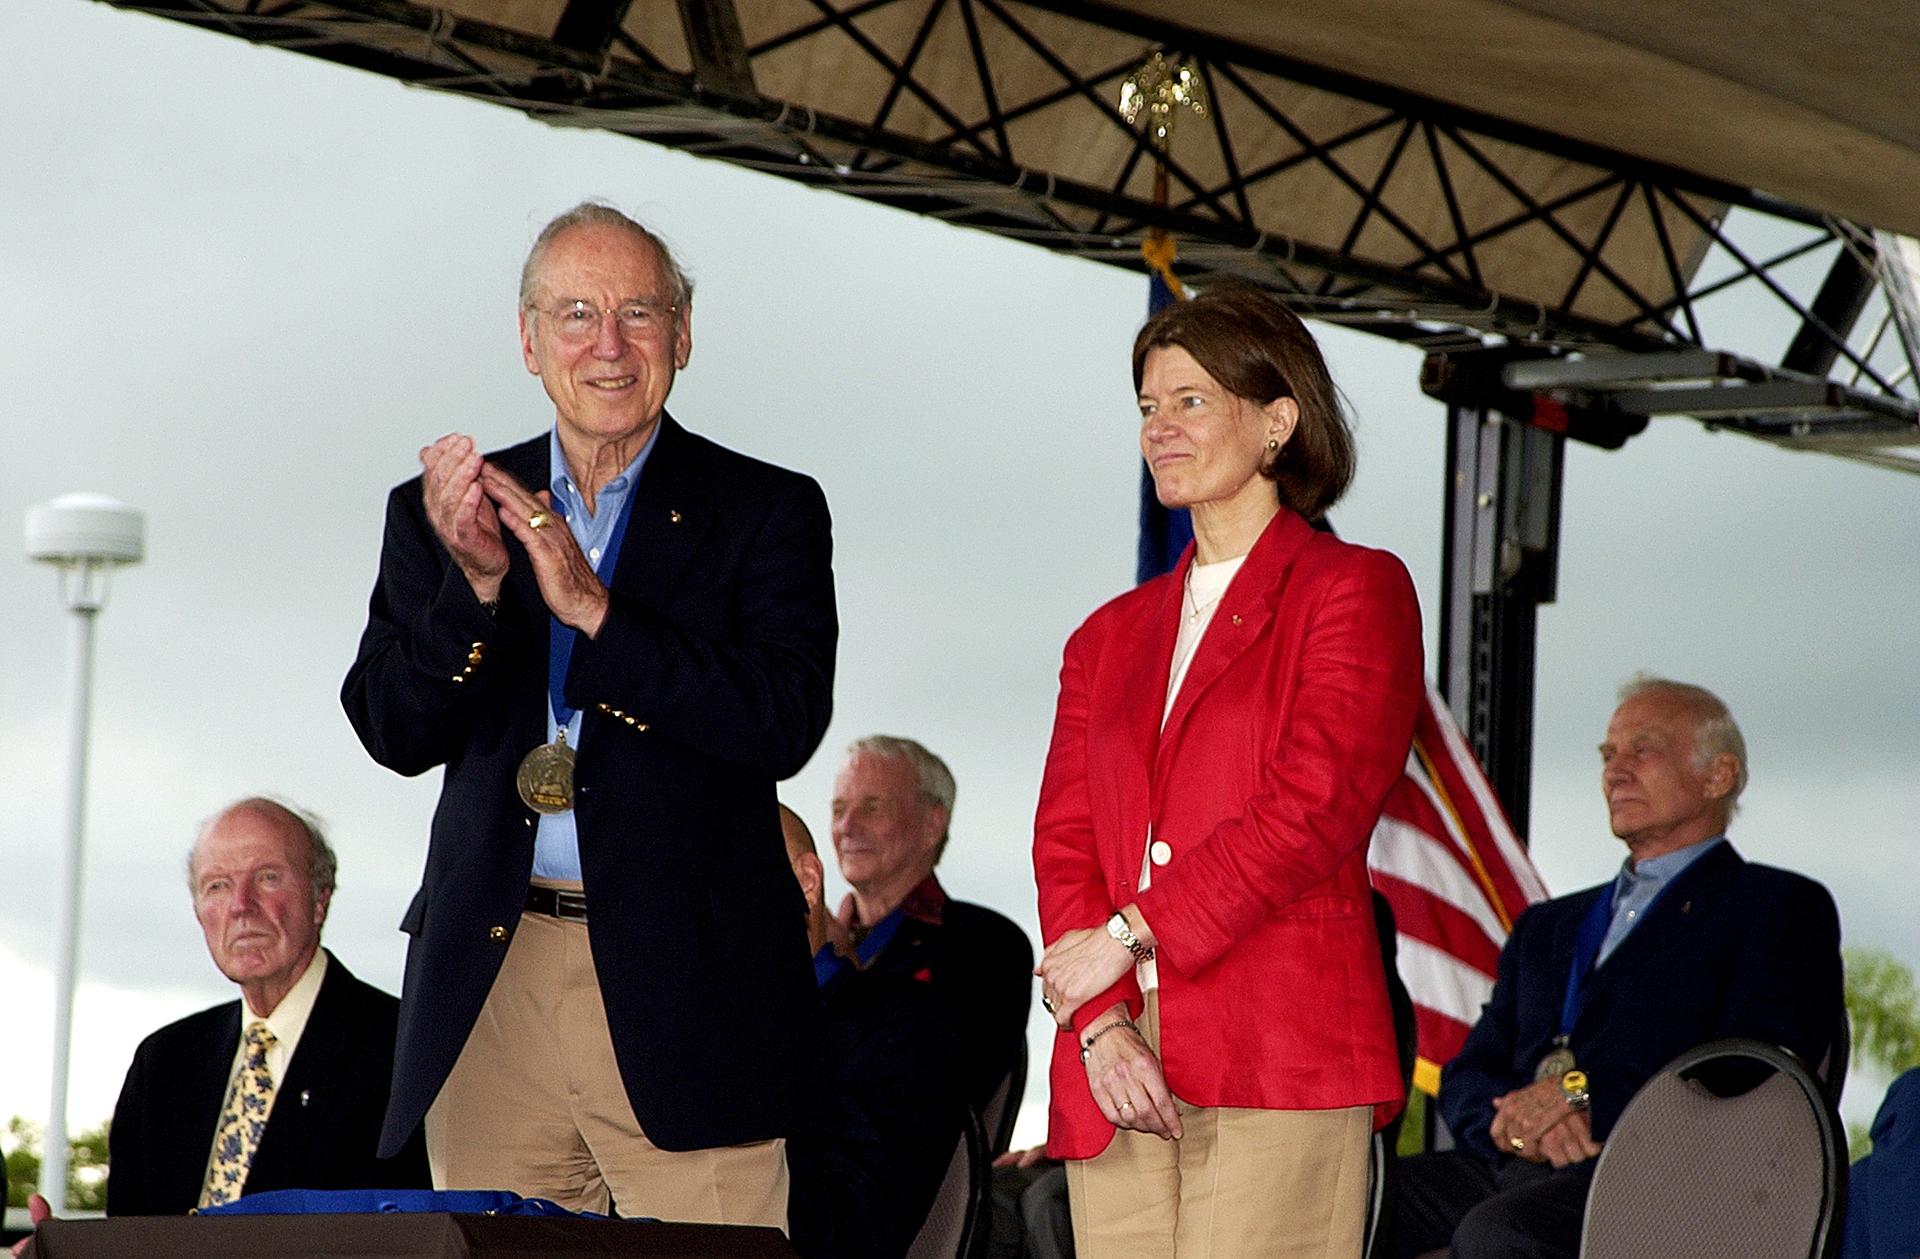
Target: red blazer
x: 1295, y: 718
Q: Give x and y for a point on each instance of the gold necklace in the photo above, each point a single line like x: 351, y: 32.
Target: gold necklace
x: 1195, y: 609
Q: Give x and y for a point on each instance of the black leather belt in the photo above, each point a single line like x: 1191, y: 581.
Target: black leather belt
x: 557, y: 902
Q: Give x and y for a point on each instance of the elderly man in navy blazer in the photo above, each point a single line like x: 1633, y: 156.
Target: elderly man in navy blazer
x: 614, y: 639
x: 262, y: 877
x: 1597, y: 991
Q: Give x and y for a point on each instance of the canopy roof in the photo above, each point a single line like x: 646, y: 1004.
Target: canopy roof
x: 1811, y: 103
x: 1551, y: 171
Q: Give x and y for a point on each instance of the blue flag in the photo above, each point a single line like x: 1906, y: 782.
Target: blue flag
x: 1163, y: 533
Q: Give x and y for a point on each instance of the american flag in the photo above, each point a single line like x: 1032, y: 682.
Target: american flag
x: 1447, y: 860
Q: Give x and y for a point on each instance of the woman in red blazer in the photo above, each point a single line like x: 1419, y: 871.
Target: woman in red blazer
x: 1224, y: 739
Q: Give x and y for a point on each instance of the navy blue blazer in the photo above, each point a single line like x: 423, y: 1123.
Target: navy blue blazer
x: 885, y: 1114
x: 326, y: 1113
x: 711, y: 679
x: 1730, y: 949
x: 978, y: 964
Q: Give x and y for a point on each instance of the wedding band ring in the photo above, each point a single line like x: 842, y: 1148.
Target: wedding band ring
x: 1047, y: 1001
x: 539, y: 520
x: 1126, y: 1108
x: 1517, y: 1143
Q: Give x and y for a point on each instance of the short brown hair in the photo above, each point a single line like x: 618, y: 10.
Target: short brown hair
x: 1259, y: 350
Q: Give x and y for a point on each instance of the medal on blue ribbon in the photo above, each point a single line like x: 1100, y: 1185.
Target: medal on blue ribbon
x: 1586, y: 947
x: 545, y: 777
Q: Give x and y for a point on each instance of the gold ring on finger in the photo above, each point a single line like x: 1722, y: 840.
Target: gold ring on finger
x: 539, y: 520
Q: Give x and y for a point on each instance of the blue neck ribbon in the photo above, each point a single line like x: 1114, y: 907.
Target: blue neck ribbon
x: 1586, y: 949
x: 561, y: 636
x: 879, y: 936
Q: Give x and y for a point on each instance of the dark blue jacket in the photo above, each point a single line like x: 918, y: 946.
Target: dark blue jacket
x: 1730, y: 949
x: 711, y: 680
x: 886, y: 1111
x: 1883, y: 1189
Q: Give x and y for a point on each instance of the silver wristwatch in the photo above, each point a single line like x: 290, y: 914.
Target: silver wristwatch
x: 1117, y: 928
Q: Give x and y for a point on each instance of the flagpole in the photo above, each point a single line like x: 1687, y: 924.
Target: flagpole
x: 1158, y: 91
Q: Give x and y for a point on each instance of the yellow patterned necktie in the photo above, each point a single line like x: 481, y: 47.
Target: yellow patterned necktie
x: 242, y: 1120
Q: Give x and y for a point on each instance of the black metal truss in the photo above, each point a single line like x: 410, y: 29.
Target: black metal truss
x: 1382, y: 273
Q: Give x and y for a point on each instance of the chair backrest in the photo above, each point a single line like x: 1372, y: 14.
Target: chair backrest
x: 1833, y: 1067
x: 960, y: 1207
x: 1406, y: 1032
x: 1695, y: 1169
x: 1003, y: 1108
x: 1377, y: 1153
x: 1381, y: 1153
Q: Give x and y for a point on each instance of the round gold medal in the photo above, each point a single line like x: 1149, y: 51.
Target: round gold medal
x: 545, y: 780
x: 1556, y: 1064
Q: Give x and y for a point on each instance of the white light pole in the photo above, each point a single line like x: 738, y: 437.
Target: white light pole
x: 86, y: 536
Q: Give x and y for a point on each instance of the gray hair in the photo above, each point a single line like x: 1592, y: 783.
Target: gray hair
x: 323, y: 867
x: 931, y: 775
x: 1714, y: 730
x: 600, y: 214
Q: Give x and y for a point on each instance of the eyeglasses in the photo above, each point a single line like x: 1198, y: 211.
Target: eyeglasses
x: 578, y: 320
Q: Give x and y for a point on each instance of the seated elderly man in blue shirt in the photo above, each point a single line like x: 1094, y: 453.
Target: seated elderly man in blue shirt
x: 1597, y: 991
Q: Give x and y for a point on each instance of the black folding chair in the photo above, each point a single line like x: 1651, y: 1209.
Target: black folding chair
x: 1733, y: 1151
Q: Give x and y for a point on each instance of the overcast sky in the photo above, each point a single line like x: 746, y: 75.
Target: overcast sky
x: 241, y: 288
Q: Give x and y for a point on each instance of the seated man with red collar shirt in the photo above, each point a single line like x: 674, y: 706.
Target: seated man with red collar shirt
x: 892, y: 807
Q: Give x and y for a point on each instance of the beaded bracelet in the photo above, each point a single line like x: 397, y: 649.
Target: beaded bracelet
x: 1086, y: 1046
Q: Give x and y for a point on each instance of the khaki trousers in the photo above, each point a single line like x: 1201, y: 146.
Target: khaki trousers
x: 535, y: 1105
x: 1240, y: 1184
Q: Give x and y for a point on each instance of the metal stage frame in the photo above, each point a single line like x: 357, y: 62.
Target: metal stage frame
x: 1626, y: 315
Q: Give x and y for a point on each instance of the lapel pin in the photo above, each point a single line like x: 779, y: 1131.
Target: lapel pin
x: 305, y: 1095
x: 673, y: 517
x: 1686, y: 907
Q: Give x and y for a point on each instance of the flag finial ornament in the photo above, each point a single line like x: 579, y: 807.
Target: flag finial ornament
x: 1160, y: 89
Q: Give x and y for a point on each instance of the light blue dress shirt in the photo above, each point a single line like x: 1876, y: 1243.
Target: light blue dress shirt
x: 556, y: 842
x: 1640, y: 882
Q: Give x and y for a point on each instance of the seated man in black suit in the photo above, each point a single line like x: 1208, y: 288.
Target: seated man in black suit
x: 886, y: 1111
x: 1597, y: 991
x: 892, y: 809
x: 206, y: 1116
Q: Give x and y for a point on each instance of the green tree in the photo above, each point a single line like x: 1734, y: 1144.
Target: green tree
x: 1883, y: 1005
x: 86, y: 1165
